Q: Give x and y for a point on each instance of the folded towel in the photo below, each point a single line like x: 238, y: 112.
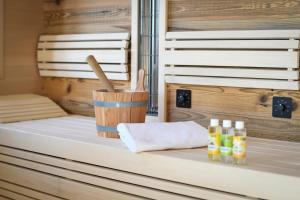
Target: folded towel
x: 140, y: 137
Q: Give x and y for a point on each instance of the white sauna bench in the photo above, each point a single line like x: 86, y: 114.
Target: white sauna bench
x: 62, y: 158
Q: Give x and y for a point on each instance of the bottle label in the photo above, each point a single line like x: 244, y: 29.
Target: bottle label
x: 239, y: 146
x: 226, y: 145
x: 214, y: 144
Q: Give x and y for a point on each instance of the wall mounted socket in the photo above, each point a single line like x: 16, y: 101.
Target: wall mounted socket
x: 183, y: 98
x: 282, y: 107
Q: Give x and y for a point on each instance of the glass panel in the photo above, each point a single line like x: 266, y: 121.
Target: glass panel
x: 148, y: 50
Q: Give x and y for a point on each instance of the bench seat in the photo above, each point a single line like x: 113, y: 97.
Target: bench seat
x: 63, y: 158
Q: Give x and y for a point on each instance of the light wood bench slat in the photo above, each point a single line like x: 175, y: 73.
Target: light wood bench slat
x: 27, y: 107
x: 13, y: 195
x: 234, y: 44
x: 231, y: 82
x: 104, y: 56
x: 84, y: 37
x: 26, y: 191
x: 238, y: 34
x: 273, y: 59
x: 122, y: 176
x: 232, y: 72
x: 54, y: 185
x: 94, y: 180
x: 83, y: 74
x: 82, y: 67
x: 83, y: 45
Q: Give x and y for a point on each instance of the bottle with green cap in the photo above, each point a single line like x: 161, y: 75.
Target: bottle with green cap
x: 214, y: 134
x: 239, y: 143
x: 227, y: 142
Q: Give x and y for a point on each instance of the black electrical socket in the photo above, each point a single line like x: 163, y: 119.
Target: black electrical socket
x: 282, y: 107
x: 183, y: 98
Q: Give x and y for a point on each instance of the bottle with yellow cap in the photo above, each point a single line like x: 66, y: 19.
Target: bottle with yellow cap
x: 239, y: 143
x: 214, y: 134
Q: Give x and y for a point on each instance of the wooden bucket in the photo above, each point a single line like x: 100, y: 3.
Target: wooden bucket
x: 112, y: 108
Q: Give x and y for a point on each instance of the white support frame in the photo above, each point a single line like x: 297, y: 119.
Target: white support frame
x: 134, y: 41
x: 163, y: 28
x: 1, y: 39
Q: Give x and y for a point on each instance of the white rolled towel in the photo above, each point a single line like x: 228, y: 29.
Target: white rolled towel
x: 140, y: 137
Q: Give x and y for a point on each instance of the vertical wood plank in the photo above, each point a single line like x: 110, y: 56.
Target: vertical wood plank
x: 1, y: 39
x: 23, y: 21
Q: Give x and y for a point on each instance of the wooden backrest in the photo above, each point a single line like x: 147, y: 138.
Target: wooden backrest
x: 65, y: 55
x: 247, y: 58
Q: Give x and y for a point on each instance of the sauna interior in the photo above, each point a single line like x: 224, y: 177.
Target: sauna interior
x: 199, y: 60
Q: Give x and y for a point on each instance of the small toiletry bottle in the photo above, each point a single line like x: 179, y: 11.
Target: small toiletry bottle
x: 226, y: 142
x: 239, y: 143
x: 214, y: 134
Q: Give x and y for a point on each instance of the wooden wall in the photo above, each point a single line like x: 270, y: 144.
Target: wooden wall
x: 22, y: 25
x: 252, y: 105
x: 82, y: 16
x: 1, y: 39
x: 233, y: 14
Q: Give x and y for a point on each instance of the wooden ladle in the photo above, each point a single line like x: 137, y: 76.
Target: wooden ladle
x: 100, y: 74
x: 140, y: 84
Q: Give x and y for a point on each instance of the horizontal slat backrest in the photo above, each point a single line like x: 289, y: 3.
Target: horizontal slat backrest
x: 65, y: 55
x: 247, y: 58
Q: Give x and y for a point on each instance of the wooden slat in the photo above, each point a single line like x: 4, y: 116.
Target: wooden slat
x: 122, y: 176
x: 83, y: 67
x: 13, y: 195
x: 240, y: 34
x: 103, y: 56
x: 233, y: 58
x: 225, y: 72
x: 20, y: 107
x: 4, y: 198
x: 57, y: 186
x: 32, y: 116
x: 31, y: 111
x: 234, y: 82
x: 26, y: 191
x: 82, y: 74
x: 12, y: 107
x: 85, y: 37
x: 94, y: 180
x: 83, y: 45
x: 20, y: 110
x: 234, y: 44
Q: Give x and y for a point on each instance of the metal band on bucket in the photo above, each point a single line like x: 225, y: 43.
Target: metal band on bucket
x: 107, y: 129
x: 119, y: 104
